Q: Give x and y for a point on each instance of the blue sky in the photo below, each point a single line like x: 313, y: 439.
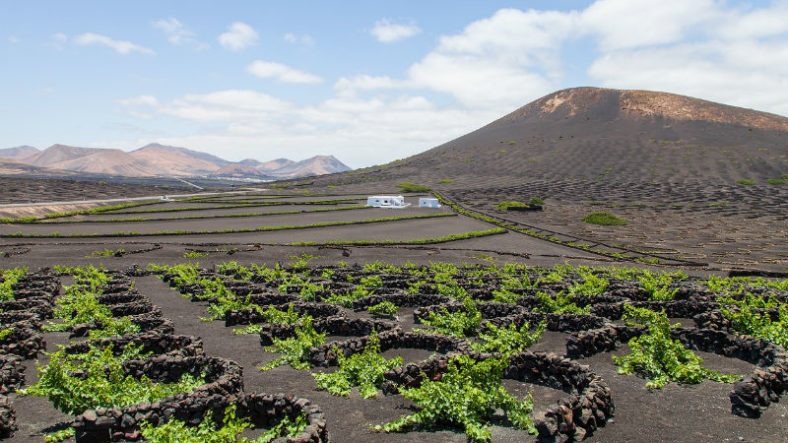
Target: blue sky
x: 366, y: 81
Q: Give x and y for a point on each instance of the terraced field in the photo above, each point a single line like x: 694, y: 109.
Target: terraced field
x: 278, y: 343
x: 312, y: 316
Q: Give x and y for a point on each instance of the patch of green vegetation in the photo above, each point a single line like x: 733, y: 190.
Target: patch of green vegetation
x: 745, y: 182
x: 467, y: 397
x: 604, y: 219
x: 659, y: 357
x: 384, y: 309
x: 108, y: 253
x: 505, y: 205
x: 536, y: 201
x: 364, y: 370
x: 295, y: 349
x: 750, y: 316
x: 194, y: 254
x: 775, y: 181
x: 8, y: 278
x: 508, y: 340
x: 176, y: 431
x: 559, y: 304
x: 105, y: 383
x: 461, y: 323
x: 446, y: 180
x: 413, y: 187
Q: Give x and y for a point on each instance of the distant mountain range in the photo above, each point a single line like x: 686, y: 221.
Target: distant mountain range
x: 159, y: 160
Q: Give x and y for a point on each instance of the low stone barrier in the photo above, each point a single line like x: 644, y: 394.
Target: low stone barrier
x: 327, y: 354
x: 334, y: 325
x: 251, y: 316
x: 223, y: 378
x: 588, y: 406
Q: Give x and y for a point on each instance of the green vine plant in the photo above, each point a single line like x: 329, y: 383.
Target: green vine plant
x: 746, y: 321
x: 80, y: 305
x: 508, y: 340
x: 466, y: 397
x: 591, y: 286
x: 657, y: 284
x: 364, y: 371
x: 75, y: 383
x: 272, y: 315
x: 659, y: 357
x: 176, y: 431
x: 559, y: 304
x: 8, y: 278
x: 462, y: 323
x: 295, y: 349
x: 383, y: 309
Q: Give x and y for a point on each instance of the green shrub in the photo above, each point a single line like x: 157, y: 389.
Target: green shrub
x: 604, y: 219
x: 758, y: 324
x: 560, y: 304
x: 195, y: 254
x: 775, y: 181
x: 504, y: 205
x: 467, y: 397
x: 508, y: 340
x: 105, y: 383
x: 364, y: 370
x: 295, y: 349
x: 659, y: 357
x: 176, y: 431
x: 745, y: 182
x: 462, y: 323
x: 536, y: 201
x: 9, y: 277
x: 446, y: 180
x: 413, y: 187
x: 385, y: 308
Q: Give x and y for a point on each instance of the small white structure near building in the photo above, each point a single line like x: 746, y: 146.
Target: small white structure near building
x: 387, y: 201
x: 425, y: 202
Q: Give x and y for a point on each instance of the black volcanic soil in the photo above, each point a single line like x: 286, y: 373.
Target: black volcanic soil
x: 25, y: 190
x: 698, y: 413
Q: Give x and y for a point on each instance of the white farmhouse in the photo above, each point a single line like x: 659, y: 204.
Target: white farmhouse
x: 387, y: 201
x: 425, y: 202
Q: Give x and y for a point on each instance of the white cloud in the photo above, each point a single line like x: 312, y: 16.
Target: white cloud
x: 633, y: 23
x: 299, y: 39
x: 58, y: 41
x: 119, y: 46
x: 280, y: 72
x: 350, y: 86
x: 13, y: 39
x: 499, y: 62
x: 239, y: 36
x: 140, y: 100
x: 177, y: 34
x: 388, y: 32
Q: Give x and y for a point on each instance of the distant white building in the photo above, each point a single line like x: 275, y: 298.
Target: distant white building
x: 387, y: 201
x: 425, y: 202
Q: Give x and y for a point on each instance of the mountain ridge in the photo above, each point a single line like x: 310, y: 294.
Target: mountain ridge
x: 155, y: 159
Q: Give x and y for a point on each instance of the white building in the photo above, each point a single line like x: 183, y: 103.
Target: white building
x: 425, y: 202
x: 387, y: 201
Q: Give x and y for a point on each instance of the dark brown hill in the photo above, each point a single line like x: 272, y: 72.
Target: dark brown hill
x: 584, y: 133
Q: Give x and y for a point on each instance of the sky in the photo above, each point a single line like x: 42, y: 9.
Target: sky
x: 366, y: 81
